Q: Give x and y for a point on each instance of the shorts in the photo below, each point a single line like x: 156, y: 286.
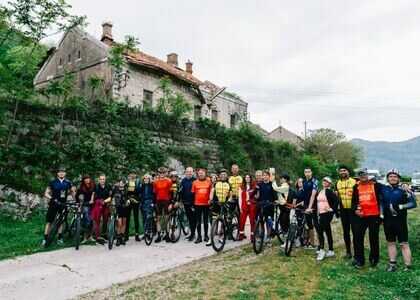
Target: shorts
x: 267, y: 209
x: 162, y: 208
x: 395, y: 228
x: 53, y: 210
x: 122, y: 212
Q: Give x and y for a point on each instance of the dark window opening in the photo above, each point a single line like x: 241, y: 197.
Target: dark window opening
x: 214, y: 115
x: 79, y: 54
x: 197, y: 113
x: 60, y: 63
x: 147, y: 98
x: 233, y: 120
x: 69, y: 58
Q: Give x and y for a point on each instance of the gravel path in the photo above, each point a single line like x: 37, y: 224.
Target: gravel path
x: 67, y: 273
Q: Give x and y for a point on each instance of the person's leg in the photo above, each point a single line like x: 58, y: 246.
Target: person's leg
x: 189, y: 211
x: 128, y: 219
x: 244, y: 215
x: 345, y: 216
x: 198, y: 213
x: 374, y: 240
x: 327, y: 229
x: 136, y: 219
x: 284, y: 219
x: 252, y: 217
x: 310, y: 224
x: 406, y: 253
x: 206, y: 211
x: 318, y: 223
x: 359, y: 226
x: 105, y: 217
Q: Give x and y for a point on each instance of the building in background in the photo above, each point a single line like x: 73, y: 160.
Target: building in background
x: 86, y: 57
x: 283, y: 134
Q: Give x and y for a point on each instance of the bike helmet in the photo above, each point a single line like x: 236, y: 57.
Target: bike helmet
x: 393, y: 171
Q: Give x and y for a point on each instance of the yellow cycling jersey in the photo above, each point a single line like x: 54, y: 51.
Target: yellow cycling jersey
x: 235, y: 183
x: 222, y: 191
x: 345, y: 191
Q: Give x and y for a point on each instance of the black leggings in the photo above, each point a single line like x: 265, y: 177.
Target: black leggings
x: 346, y: 216
x: 284, y: 218
x: 202, y: 210
x: 189, y: 211
x: 323, y: 224
x: 135, y: 209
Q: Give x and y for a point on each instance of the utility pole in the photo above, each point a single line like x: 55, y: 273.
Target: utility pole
x: 305, y: 124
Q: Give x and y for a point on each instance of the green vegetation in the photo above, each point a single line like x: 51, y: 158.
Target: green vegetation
x: 240, y: 274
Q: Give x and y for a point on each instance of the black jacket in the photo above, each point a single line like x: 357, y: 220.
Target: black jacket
x: 333, y: 201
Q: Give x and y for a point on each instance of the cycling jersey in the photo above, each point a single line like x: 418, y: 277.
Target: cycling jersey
x: 365, y: 198
x: 60, y: 189
x: 309, y: 185
x: 222, y: 191
x: 266, y: 193
x: 174, y: 191
x: 345, y: 191
x: 103, y: 192
x: 235, y: 183
x: 162, y: 188
x: 201, y: 190
x: 185, y: 190
x: 395, y: 195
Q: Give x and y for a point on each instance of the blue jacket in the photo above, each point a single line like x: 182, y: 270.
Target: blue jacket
x: 60, y: 189
x: 398, y: 198
x: 185, y: 193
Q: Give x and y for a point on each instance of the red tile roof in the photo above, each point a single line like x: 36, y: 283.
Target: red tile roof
x: 143, y: 59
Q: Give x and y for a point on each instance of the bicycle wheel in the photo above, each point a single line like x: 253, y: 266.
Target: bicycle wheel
x: 305, y: 236
x: 259, y: 232
x: 174, y: 228
x: 111, y: 232
x: 218, y: 234
x: 277, y: 229
x: 290, y: 240
x: 77, y: 231
x: 234, y: 228
x: 148, y: 232
x: 185, y: 225
x: 53, y: 230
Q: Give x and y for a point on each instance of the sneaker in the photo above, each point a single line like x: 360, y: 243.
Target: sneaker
x: 137, y: 238
x: 123, y: 242
x: 330, y: 253
x: 268, y: 242
x: 206, y: 239
x: 43, y: 243
x: 283, y: 245
x: 190, y: 238
x: 407, y: 268
x: 158, y: 239
x: 208, y: 243
x: 60, y: 242
x: 309, y: 247
x: 392, y: 268
x: 357, y: 264
x: 373, y: 263
x: 321, y: 255
x: 100, y: 241
x: 198, y: 240
x: 118, y: 243
x: 297, y: 243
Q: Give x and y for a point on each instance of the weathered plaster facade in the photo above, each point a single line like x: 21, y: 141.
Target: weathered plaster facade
x: 85, y: 56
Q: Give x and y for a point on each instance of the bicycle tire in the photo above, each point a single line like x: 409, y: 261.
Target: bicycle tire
x: 290, y: 240
x: 148, y: 232
x: 277, y: 229
x: 186, y: 230
x: 53, y: 231
x: 234, y: 228
x: 77, y: 232
x: 218, y: 234
x: 305, y: 236
x: 174, y: 228
x: 258, y: 241
x: 111, y: 232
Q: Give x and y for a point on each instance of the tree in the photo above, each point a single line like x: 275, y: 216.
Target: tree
x: 331, y: 147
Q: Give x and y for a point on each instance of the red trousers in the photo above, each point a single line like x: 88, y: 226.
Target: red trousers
x: 247, y: 210
x: 99, y: 210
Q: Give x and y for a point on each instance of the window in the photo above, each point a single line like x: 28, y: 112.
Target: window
x: 232, y: 121
x: 60, y: 62
x: 197, y: 113
x: 69, y: 58
x: 214, y: 115
x: 147, y: 98
x: 79, y: 55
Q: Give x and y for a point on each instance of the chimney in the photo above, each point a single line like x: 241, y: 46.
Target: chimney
x: 188, y: 67
x: 172, y: 59
x: 107, y: 33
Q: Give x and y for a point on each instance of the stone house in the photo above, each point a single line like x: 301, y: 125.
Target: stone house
x: 86, y: 57
x: 283, y: 134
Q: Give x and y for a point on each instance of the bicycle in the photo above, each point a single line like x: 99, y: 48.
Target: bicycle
x: 112, y: 223
x: 225, y: 224
x: 149, y: 225
x: 61, y: 219
x: 260, y: 224
x: 177, y: 222
x: 297, y: 230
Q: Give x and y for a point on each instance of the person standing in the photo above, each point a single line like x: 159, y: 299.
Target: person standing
x: 222, y: 192
x: 248, y: 206
x: 310, y: 189
x: 366, y: 207
x: 57, y: 192
x: 162, y: 188
x: 396, y: 199
x: 235, y: 181
x: 202, y: 189
x: 285, y: 196
x: 326, y: 205
x: 85, y: 197
x: 147, y: 198
x: 121, y: 202
x: 187, y: 198
x: 100, y: 209
x: 133, y: 188
x: 344, y: 188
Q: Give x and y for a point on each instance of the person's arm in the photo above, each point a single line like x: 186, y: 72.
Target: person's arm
x: 47, y: 193
x: 211, y: 194
x: 410, y: 199
x: 312, y: 200
x: 92, y: 198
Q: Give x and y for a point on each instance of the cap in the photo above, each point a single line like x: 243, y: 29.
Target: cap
x: 327, y: 179
x: 362, y: 172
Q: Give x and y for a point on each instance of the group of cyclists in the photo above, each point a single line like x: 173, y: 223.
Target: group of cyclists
x: 361, y: 203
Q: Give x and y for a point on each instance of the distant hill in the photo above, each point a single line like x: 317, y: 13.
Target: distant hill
x: 404, y: 156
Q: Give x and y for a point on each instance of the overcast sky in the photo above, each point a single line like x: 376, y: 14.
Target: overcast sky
x: 349, y: 65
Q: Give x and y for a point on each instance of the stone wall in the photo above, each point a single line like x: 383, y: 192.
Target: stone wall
x: 20, y: 205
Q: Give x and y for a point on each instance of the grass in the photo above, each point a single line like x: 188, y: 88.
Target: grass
x: 239, y: 274
x: 24, y: 237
